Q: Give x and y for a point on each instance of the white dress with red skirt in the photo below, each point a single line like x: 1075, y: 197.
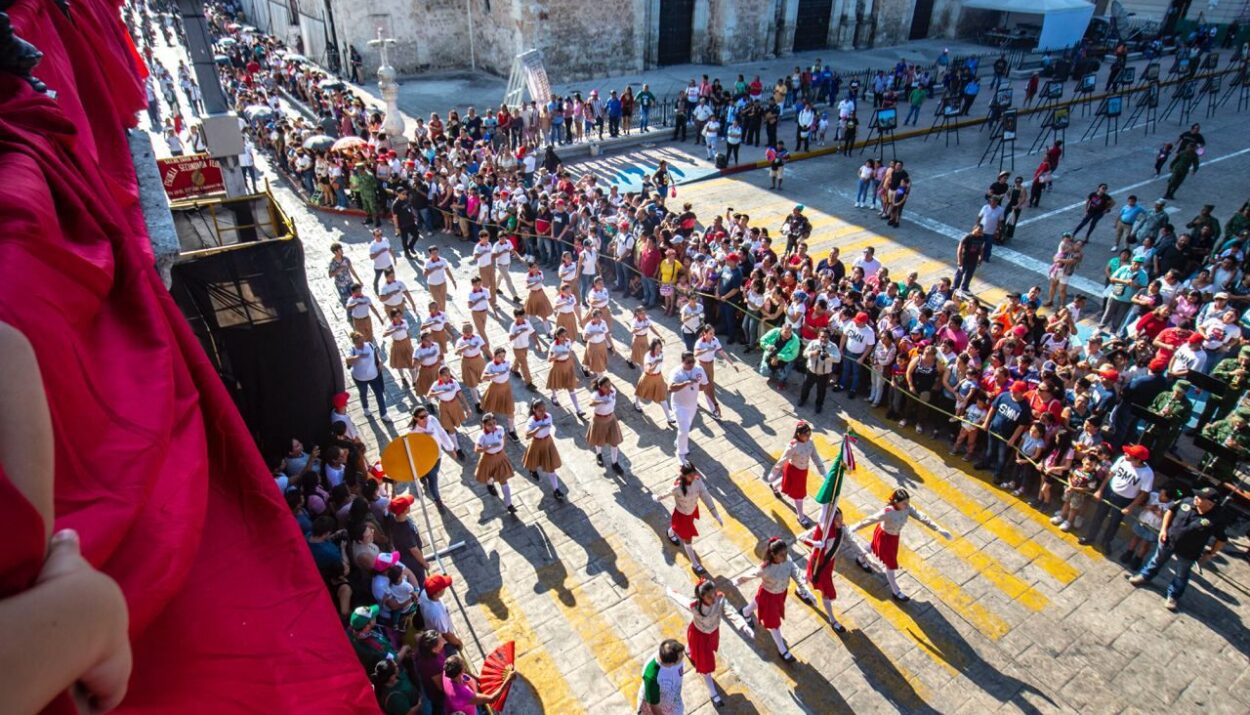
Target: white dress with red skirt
x: 890, y: 522
x: 770, y: 599
x: 793, y: 466
x: 686, y: 507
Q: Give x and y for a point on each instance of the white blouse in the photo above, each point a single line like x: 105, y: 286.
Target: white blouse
x: 567, y: 272
x: 482, y: 254
x: 799, y: 454
x: 653, y: 363
x: 705, y: 350
x: 604, y: 404
x: 561, y: 351
x: 491, y: 442
x: 471, y: 347
x: 478, y: 300
x: 497, y: 372
x: 519, y: 334
x: 534, y: 281
x: 502, y: 251
x: 398, y: 331
x: 436, y: 323
x: 691, y: 316
x: 596, y: 332
x: 545, y: 427
x: 640, y: 328
x: 598, y: 298
x: 445, y: 391
x: 430, y: 356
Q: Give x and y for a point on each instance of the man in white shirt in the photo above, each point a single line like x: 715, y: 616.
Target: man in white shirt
x: 684, y: 385
x: 990, y: 218
x: 702, y: 113
x: 380, y: 254
x: 1126, y: 487
x: 857, y: 342
x: 434, y: 612
x: 868, y: 263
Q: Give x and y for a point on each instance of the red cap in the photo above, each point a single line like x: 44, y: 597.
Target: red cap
x: 1195, y: 339
x: 732, y: 257
x: 1136, y: 451
x: 429, y: 175
x: 437, y: 583
x: 861, y: 318
x: 400, y: 504
x: 1158, y: 365
x: 1019, y: 386
x: 1020, y: 331
x: 1109, y: 374
x: 340, y: 400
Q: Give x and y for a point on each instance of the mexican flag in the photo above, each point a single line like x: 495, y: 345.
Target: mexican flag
x: 845, y: 461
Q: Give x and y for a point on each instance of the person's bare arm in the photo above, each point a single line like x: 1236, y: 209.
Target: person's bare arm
x: 25, y: 433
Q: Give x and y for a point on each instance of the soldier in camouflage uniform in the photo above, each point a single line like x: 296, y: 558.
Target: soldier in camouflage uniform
x: 365, y: 185
x: 1232, y: 432
x: 1235, y: 372
x: 1177, y: 408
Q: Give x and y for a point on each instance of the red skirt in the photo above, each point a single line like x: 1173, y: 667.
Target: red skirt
x: 770, y: 608
x: 794, y: 482
x: 823, y: 582
x: 885, y: 546
x: 702, y: 648
x: 683, y: 524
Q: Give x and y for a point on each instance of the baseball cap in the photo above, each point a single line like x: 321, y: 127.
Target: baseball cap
x: 861, y: 318
x: 363, y: 616
x: 437, y: 583
x: 1210, y: 493
x: 1019, y: 386
x: 1158, y: 365
x: 340, y: 400
x: 385, y: 560
x: 1136, y: 451
x: 400, y: 504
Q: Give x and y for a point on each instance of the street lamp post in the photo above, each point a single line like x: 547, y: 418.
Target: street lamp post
x: 394, y: 124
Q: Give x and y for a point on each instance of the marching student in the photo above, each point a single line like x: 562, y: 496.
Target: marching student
x: 479, y: 307
x: 890, y: 522
x: 568, y: 311
x: 604, y: 428
x: 401, y: 346
x: 359, y: 306
x: 436, y: 325
x: 536, y: 302
x: 452, y: 405
x: 684, y: 385
x: 502, y: 253
x: 597, y: 298
x: 520, y: 333
x: 821, y: 562
x: 561, y: 375
x: 469, y: 347
x: 769, y: 605
x: 429, y: 358
x: 498, y: 397
x: 493, y: 466
x: 706, y: 349
x: 437, y: 275
x: 598, y: 337
x: 639, y: 327
x: 688, y: 488
x: 541, y: 455
x: 703, y: 634
x: 792, y: 468
x: 651, y: 386
x: 484, y: 259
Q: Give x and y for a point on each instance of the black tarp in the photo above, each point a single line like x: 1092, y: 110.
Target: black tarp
x: 251, y: 308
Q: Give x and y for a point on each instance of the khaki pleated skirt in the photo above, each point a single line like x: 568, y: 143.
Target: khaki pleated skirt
x: 568, y: 321
x: 401, y: 354
x: 426, y: 375
x: 596, y: 359
x: 604, y: 430
x: 542, y: 454
x: 561, y: 376
x: 638, y: 349
x: 471, y: 370
x: 450, y: 414
x: 537, y: 304
x: 493, y: 468
x: 364, y: 326
x: 498, y: 399
x: 651, y: 388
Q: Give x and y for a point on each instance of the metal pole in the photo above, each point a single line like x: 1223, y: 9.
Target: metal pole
x: 199, y: 47
x: 468, y: 12
x: 425, y: 513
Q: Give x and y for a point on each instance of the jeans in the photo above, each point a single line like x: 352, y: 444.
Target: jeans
x: 585, y: 281
x: 553, y: 136
x: 614, y: 126
x: 550, y: 251
x: 376, y: 385
x: 996, y: 453
x: 913, y: 116
x: 427, y: 219
x: 431, y: 481
x: 851, y: 371
x: 1090, y: 218
x: 1160, y: 558
x: 877, y: 392
x: 650, y: 292
x: 780, y: 374
x: 1110, y: 506
x: 861, y: 192
x: 644, y: 118
x: 622, y: 276
x: 689, y: 339
x: 340, y: 198
x: 963, y: 275
x: 249, y: 174
x: 1114, y: 313
x: 728, y: 315
x: 750, y: 329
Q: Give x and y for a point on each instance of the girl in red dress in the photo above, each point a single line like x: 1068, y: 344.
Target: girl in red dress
x: 791, y: 470
x: 688, y: 489
x: 703, y: 633
x: 820, y: 564
x: 890, y: 522
x: 769, y: 605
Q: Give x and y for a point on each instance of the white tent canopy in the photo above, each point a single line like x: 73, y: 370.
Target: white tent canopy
x: 1063, y: 21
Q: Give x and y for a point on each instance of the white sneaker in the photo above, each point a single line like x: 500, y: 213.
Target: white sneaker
x: 1057, y: 519
x: 1065, y: 526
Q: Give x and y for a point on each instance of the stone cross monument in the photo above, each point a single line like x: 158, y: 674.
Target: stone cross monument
x: 394, y: 124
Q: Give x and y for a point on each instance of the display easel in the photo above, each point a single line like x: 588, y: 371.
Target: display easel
x: 946, y: 118
x: 1000, y: 103
x: 1240, y: 85
x: 1052, y: 93
x: 1003, y: 141
x: 1108, y: 117
x: 1055, y: 125
x: 882, y: 127
x: 1084, y: 89
x: 1211, y: 88
x: 1147, y: 105
x: 1185, y: 97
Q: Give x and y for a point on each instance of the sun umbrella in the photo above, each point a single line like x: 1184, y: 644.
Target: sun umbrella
x: 232, y: 26
x: 348, y: 143
x: 257, y: 111
x: 296, y: 57
x: 331, y: 84
x: 495, y: 671
x: 221, y: 59
x: 227, y: 41
x: 318, y: 142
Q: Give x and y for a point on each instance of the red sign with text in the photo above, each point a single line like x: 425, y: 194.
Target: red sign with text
x: 185, y: 177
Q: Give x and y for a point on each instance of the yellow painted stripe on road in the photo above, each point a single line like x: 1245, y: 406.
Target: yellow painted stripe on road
x: 609, y: 650
x: 1057, y: 568
x: 986, y: 566
x: 533, y: 662
x: 946, y: 654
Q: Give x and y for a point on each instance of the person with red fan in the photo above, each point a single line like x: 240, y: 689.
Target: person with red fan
x: 792, y: 468
x: 820, y: 564
x: 463, y: 693
x: 688, y: 489
x: 774, y: 573
x: 703, y: 633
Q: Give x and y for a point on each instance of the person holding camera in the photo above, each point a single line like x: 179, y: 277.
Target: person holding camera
x: 781, y: 348
x: 822, y: 355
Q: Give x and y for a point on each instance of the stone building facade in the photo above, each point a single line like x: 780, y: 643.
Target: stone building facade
x: 602, y: 38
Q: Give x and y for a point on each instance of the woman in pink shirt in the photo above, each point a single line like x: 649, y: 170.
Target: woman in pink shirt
x: 460, y: 690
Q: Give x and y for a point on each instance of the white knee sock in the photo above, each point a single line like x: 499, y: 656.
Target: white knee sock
x: 551, y: 477
x: 710, y: 404
x: 573, y: 397
x: 668, y: 414
x: 711, y: 685
x: 781, y: 644
x: 412, y: 373
x: 750, y: 609
x: 829, y: 610
x: 798, y: 507
x: 616, y: 453
x: 889, y: 576
x: 507, y: 494
x: 694, y: 558
x: 637, y: 404
x: 554, y: 400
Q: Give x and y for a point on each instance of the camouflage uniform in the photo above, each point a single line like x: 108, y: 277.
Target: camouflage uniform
x: 1177, y: 408
x: 1235, y: 371
x: 1233, y: 433
x: 365, y: 185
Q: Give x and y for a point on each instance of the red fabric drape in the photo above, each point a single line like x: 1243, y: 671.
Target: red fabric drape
x: 154, y: 467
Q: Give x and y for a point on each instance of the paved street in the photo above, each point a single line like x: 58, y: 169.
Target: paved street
x: 1011, y: 615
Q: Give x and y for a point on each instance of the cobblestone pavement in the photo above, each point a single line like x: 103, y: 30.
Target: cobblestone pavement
x: 1010, y: 615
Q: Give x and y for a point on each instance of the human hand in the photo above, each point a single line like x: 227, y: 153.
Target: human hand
x: 1126, y: 511
x: 102, y: 686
